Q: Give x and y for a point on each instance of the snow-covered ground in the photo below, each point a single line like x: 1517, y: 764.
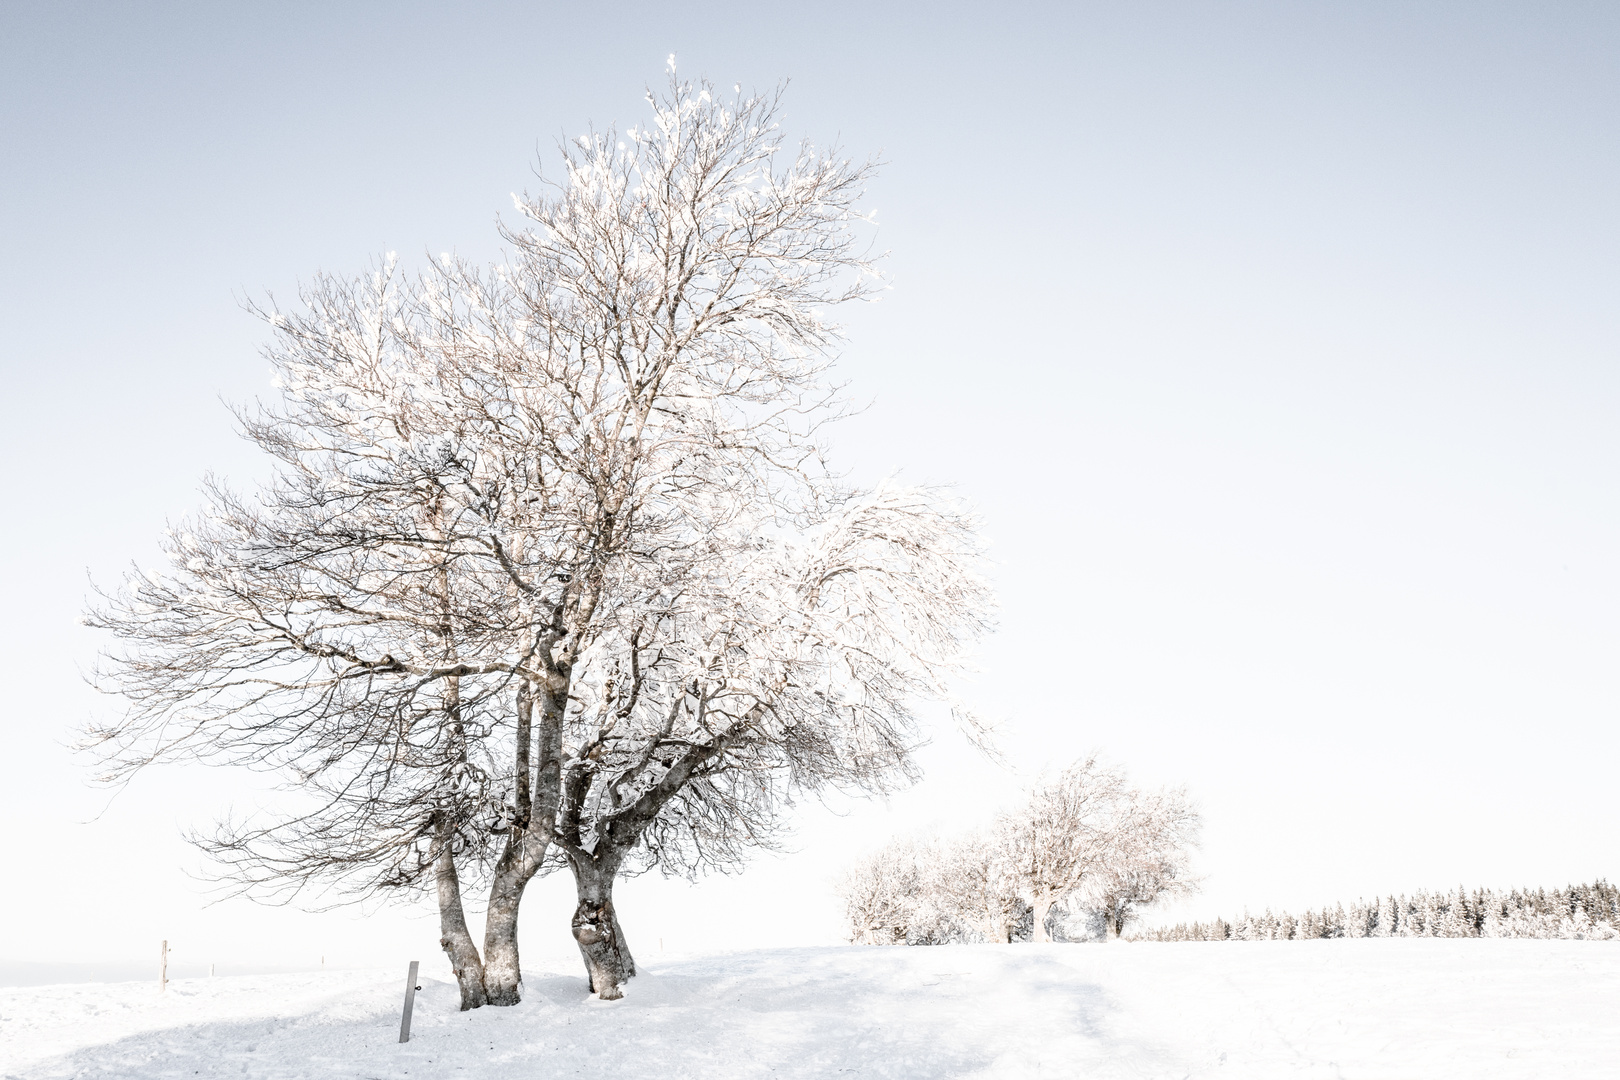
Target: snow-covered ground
x: 1251, y: 1010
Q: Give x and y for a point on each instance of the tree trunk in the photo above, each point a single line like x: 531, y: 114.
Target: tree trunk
x: 502, y: 970
x: 455, y: 940
x: 519, y: 862
x: 1040, y: 909
x: 521, y: 859
x: 596, y: 929
x: 1115, y: 913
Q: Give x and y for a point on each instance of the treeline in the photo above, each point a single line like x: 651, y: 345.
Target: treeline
x: 1580, y: 912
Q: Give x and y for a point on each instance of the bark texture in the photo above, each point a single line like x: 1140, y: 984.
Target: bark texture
x: 597, y: 931
x: 525, y: 849
x: 503, y: 973
x: 454, y: 939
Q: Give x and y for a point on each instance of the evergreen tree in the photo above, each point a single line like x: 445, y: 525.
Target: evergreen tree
x: 1580, y: 912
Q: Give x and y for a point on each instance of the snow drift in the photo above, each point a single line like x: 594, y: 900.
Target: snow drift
x: 1359, y: 1008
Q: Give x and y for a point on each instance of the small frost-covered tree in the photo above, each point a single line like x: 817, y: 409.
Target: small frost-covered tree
x: 885, y: 895
x: 932, y: 892
x: 976, y: 886
x: 1065, y: 835
x: 1082, y: 848
x: 1150, y: 857
x: 1088, y: 837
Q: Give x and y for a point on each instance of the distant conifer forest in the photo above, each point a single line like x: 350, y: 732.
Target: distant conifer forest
x: 1581, y: 912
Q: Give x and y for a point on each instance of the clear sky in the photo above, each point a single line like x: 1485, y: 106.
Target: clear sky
x: 1276, y: 343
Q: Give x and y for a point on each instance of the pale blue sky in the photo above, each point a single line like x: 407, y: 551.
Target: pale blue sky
x: 1277, y: 343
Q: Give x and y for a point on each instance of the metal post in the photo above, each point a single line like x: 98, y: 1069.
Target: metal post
x: 410, y: 1000
x: 163, y: 967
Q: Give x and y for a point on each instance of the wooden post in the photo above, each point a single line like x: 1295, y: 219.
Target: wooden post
x: 410, y: 1000
x: 163, y: 967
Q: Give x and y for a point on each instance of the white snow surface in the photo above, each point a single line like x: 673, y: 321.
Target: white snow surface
x: 1342, y: 1009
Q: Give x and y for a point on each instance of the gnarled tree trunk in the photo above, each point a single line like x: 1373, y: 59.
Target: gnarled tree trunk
x: 596, y: 929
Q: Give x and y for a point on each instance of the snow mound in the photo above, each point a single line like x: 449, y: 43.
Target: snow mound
x: 1408, y: 1008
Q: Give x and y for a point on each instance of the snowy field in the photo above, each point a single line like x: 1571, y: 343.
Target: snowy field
x: 1351, y: 1009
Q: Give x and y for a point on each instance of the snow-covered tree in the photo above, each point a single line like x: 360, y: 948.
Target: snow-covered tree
x: 974, y: 886
x: 551, y: 556
x: 1149, y: 859
x: 371, y: 623
x: 1085, y: 841
x: 779, y: 626
x: 791, y: 663
x: 932, y: 891
x: 1582, y: 912
x: 886, y: 894
x: 1065, y: 835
